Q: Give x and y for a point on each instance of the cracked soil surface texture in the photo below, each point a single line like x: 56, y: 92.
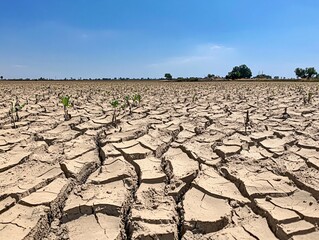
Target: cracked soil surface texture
x: 176, y: 167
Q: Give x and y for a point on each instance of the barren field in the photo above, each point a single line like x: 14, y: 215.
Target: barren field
x: 186, y: 164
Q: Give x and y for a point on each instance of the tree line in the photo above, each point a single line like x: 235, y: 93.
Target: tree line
x: 244, y: 72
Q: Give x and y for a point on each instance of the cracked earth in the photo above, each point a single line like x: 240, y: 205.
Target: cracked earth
x: 181, y: 166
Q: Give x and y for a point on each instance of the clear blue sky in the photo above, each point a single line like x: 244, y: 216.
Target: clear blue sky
x: 147, y: 38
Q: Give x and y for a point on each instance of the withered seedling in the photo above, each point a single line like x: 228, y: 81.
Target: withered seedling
x: 285, y: 115
x: 248, y: 122
x: 14, y: 111
x: 308, y: 99
x: 194, y: 98
x: 128, y: 104
x: 227, y: 110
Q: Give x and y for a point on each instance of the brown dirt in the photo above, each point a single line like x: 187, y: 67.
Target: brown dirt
x: 173, y: 169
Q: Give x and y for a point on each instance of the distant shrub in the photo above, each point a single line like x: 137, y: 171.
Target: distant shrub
x: 263, y: 76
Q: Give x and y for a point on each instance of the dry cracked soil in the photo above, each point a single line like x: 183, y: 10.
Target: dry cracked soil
x: 186, y: 163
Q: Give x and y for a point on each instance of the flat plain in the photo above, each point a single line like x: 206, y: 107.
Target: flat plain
x: 223, y: 160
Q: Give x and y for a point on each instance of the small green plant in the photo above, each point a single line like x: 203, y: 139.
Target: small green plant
x: 114, y: 103
x: 136, y: 99
x: 19, y: 107
x: 66, y: 103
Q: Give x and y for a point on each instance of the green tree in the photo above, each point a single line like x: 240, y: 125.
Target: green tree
x: 311, y: 72
x: 1, y: 77
x: 300, y: 73
x: 241, y: 71
x: 306, y: 73
x: 168, y: 76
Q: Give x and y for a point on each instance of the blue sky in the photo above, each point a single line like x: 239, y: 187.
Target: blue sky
x: 147, y: 38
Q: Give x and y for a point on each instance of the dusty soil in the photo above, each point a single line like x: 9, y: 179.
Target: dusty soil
x: 183, y: 165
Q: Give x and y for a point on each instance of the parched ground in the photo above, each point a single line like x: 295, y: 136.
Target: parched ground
x: 183, y: 165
